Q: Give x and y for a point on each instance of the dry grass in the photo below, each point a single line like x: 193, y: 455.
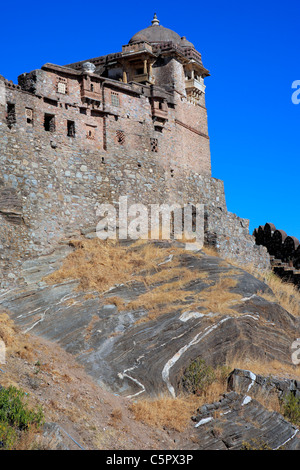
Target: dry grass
x: 218, y: 298
x: 285, y: 293
x: 116, y: 417
x: 210, y: 251
x: 30, y: 440
x: 264, y: 368
x: 173, y: 271
x: 99, y: 264
x: 270, y: 369
x: 158, y: 302
x: 174, y: 297
x: 15, y: 342
x: 168, y: 297
x: 166, y: 412
x: 117, y: 301
x: 90, y: 327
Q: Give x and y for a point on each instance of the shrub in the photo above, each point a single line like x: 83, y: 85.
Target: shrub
x: 8, y: 436
x: 198, y: 376
x: 15, y: 416
x: 291, y: 408
x: 255, y: 444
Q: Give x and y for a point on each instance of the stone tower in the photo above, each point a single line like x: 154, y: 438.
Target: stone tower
x: 132, y: 123
x: 171, y: 75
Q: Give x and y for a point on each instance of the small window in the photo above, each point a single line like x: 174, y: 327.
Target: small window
x: 49, y: 122
x: 92, y: 87
x: 29, y: 116
x: 154, y: 145
x: 11, y: 114
x: 90, y: 132
x: 62, y: 86
x: 120, y: 136
x: 115, y: 99
x: 71, y: 128
x: 51, y: 102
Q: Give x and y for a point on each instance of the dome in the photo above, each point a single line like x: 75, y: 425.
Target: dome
x: 155, y: 33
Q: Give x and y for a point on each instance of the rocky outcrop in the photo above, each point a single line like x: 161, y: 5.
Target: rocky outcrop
x: 133, y: 358
x: 246, y: 381
x: 241, y: 418
x: 238, y: 421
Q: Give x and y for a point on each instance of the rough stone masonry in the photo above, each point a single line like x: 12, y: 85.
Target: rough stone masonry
x: 129, y: 123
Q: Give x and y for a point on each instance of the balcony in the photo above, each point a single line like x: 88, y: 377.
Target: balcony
x: 159, y: 113
x: 194, y: 84
x: 142, y: 77
x: 138, y: 47
x: 90, y: 97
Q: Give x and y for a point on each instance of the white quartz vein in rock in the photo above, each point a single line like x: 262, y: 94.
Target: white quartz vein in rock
x: 289, y: 439
x: 246, y: 400
x: 176, y: 357
x: 203, y: 421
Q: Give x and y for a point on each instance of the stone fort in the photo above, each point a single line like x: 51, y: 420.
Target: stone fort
x: 130, y: 123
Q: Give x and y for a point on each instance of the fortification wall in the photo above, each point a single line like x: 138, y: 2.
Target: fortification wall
x: 284, y: 251
x: 51, y: 185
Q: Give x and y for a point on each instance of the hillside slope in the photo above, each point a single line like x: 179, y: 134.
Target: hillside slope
x: 123, y: 322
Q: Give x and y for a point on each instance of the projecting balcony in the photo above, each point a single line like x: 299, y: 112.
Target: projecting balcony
x: 159, y: 113
x: 142, y: 77
x: 90, y: 97
x: 193, y: 83
x: 138, y: 47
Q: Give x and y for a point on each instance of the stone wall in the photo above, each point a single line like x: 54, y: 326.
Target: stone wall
x: 51, y: 184
x: 122, y: 117
x: 284, y: 251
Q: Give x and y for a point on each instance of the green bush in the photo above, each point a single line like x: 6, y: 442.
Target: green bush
x: 198, y: 375
x: 291, y: 408
x: 8, y: 436
x: 255, y: 444
x: 15, y: 416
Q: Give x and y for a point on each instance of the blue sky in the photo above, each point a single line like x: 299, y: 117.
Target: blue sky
x: 251, y: 49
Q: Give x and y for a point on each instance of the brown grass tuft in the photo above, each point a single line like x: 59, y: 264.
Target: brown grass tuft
x: 210, y: 251
x: 99, y: 264
x: 15, y: 342
x: 263, y: 367
x: 166, y: 412
x: 285, y: 293
x: 218, y: 298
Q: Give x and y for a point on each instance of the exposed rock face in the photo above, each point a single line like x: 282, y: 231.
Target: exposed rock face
x: 244, y: 381
x: 137, y: 359
x: 146, y: 358
x: 238, y: 421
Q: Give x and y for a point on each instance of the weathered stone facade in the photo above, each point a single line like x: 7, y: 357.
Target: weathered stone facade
x: 132, y: 123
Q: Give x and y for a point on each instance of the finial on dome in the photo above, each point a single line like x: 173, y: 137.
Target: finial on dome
x: 155, y: 21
